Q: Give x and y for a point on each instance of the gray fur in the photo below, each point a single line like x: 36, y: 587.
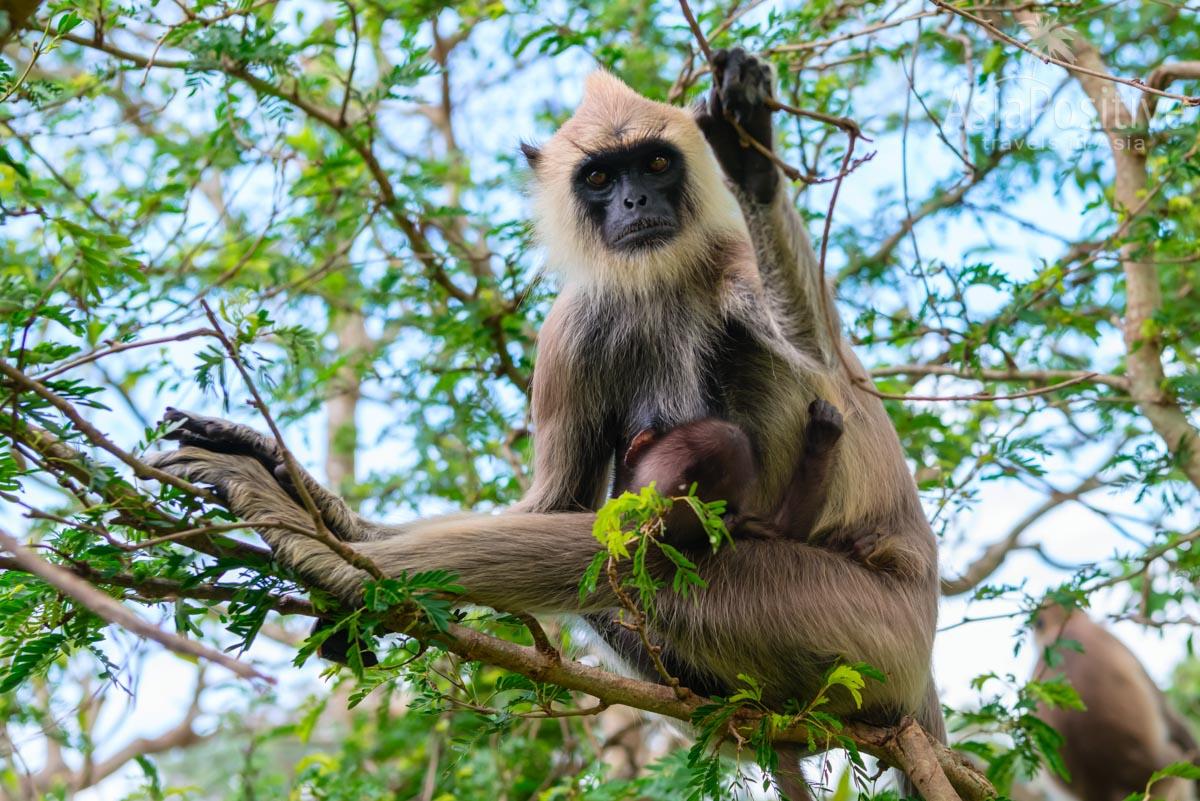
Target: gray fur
x: 739, y: 332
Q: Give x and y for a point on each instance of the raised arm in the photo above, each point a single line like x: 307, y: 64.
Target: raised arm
x: 742, y: 83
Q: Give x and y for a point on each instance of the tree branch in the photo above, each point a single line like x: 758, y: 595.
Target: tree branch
x: 1033, y: 376
x: 995, y: 554
x: 1143, y: 293
x: 1079, y: 70
x: 116, y: 613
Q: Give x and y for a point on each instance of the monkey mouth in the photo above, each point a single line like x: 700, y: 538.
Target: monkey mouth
x: 644, y: 233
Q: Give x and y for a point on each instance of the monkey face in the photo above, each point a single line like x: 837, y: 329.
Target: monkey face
x: 633, y: 195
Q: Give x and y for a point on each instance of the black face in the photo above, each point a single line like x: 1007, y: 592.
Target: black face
x: 634, y: 195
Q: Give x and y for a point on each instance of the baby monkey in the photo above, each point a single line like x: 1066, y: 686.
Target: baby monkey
x: 717, y: 456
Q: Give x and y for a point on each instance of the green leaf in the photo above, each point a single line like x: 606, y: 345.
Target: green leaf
x: 846, y: 676
x: 31, y: 658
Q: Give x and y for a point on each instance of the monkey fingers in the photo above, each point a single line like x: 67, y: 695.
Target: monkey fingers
x: 863, y: 547
x: 638, y: 445
x: 749, y: 527
x: 241, y: 482
x: 742, y: 84
x: 223, y: 436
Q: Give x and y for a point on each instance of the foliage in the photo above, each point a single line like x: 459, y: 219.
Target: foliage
x: 340, y: 183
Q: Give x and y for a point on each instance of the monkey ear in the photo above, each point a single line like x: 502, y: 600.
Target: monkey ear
x: 532, y: 153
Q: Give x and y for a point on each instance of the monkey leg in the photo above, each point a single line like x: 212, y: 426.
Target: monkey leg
x: 788, y: 776
x: 807, y: 493
x: 222, y: 436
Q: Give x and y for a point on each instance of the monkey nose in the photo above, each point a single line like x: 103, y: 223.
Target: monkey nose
x: 630, y: 202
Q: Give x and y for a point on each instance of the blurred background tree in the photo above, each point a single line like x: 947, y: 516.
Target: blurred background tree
x: 340, y: 182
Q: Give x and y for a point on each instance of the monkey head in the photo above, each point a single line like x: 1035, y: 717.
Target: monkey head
x: 1050, y: 622
x: 628, y: 193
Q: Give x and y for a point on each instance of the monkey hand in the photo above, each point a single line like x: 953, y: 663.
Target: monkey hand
x: 742, y: 85
x: 210, y: 445
x: 825, y: 427
x: 336, y: 646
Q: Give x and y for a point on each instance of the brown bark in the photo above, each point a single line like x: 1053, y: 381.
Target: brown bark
x: 1143, y: 293
x: 342, y: 408
x: 107, y: 608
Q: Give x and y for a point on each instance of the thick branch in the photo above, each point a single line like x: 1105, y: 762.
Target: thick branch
x: 1143, y: 293
x: 903, y: 752
x: 916, y: 748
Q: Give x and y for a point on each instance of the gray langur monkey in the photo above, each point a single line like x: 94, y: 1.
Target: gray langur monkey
x: 1128, y: 729
x: 689, y: 291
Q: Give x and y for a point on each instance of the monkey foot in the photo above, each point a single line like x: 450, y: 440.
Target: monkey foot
x: 825, y: 425
x: 233, y: 439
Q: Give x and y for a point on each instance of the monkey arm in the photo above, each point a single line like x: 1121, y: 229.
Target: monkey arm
x: 571, y: 453
x: 788, y: 266
x: 233, y: 439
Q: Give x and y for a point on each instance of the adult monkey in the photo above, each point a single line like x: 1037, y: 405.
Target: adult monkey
x: 1128, y: 729
x: 693, y: 294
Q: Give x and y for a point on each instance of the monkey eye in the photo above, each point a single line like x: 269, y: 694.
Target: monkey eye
x: 597, y: 179
x: 659, y: 163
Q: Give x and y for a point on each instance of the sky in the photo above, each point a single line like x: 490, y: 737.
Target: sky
x: 1072, y: 534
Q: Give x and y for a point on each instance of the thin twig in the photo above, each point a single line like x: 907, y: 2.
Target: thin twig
x: 112, y: 611
x: 866, y: 386
x: 140, y: 468
x: 1137, y: 83
x: 123, y: 346
x: 701, y: 41
x: 639, y: 626
x: 321, y: 533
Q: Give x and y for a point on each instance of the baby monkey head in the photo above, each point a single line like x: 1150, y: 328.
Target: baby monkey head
x: 627, y: 193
